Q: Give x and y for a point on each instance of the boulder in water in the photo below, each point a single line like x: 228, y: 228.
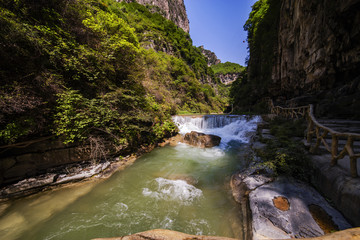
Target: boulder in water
x: 202, y: 140
x: 173, y: 141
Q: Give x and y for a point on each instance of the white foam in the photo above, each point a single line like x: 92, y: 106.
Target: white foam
x: 121, y: 206
x: 187, y: 151
x: 173, y: 190
x: 167, y: 223
x: 228, y: 127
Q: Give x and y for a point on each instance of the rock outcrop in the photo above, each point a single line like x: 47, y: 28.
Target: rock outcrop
x: 162, y: 234
x: 228, y: 78
x: 173, y: 10
x: 286, y: 208
x: 210, y: 56
x: 201, y: 139
x: 318, y: 54
x: 36, y: 159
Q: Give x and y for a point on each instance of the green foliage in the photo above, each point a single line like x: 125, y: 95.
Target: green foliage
x: 166, y: 129
x: 284, y: 155
x: 86, y: 68
x: 116, y: 114
x: 15, y: 130
x: 228, y: 67
x: 262, y: 28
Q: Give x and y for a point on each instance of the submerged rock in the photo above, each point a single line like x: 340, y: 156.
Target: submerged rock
x: 202, y: 140
x: 187, y: 178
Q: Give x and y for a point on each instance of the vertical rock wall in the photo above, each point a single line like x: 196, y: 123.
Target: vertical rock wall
x: 318, y: 51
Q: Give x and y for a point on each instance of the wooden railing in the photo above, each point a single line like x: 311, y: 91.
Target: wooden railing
x: 321, y: 132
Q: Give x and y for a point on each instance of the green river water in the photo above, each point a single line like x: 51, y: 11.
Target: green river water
x: 150, y: 194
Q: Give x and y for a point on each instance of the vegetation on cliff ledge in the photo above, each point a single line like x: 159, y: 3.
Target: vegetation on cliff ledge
x: 262, y: 28
x: 84, y: 69
x: 227, y: 68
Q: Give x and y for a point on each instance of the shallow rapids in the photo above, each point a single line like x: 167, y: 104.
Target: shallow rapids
x: 181, y: 188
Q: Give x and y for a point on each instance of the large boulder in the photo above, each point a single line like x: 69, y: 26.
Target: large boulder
x: 202, y: 140
x: 284, y: 207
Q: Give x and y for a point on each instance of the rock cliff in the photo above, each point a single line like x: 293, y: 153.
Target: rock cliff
x: 228, y: 78
x: 317, y: 54
x: 173, y: 10
x: 210, y: 56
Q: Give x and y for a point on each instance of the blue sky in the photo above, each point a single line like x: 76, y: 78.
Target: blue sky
x: 218, y: 26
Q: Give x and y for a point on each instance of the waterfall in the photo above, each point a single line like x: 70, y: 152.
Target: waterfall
x: 228, y: 127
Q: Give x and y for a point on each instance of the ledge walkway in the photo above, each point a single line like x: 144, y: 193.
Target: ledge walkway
x: 341, y: 138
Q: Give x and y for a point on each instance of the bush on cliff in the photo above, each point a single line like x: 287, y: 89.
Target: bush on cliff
x: 85, y: 68
x: 227, y: 68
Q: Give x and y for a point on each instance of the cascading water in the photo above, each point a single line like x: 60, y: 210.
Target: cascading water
x: 228, y: 127
x: 181, y: 188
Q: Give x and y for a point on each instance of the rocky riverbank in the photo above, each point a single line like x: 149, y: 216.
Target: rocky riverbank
x: 162, y: 234
x: 69, y: 173
x: 70, y: 170
x: 282, y: 206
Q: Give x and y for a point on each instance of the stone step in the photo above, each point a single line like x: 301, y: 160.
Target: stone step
x: 341, y: 125
x: 339, y: 121
x: 341, y: 142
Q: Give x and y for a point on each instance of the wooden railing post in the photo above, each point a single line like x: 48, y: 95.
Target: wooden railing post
x: 310, y: 131
x: 353, y: 159
x: 315, y: 127
x: 334, y: 149
x: 318, y: 140
x: 353, y: 166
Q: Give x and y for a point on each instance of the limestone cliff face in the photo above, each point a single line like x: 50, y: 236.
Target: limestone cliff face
x: 228, y: 78
x: 210, y: 56
x: 173, y: 10
x: 318, y: 51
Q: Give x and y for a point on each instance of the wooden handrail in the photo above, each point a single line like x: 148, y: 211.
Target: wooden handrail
x: 321, y: 131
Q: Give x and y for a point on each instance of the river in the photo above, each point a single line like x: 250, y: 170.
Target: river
x: 181, y: 188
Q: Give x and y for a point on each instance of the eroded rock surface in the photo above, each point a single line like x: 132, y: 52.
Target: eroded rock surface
x: 162, y: 234
x: 318, y: 55
x: 228, y: 78
x: 210, y: 56
x: 281, y: 207
x: 202, y: 140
